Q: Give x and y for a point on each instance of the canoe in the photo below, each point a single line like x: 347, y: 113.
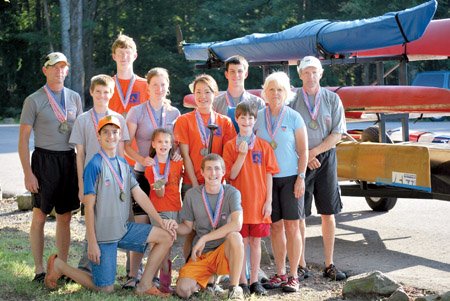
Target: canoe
x: 321, y: 37
x: 381, y: 99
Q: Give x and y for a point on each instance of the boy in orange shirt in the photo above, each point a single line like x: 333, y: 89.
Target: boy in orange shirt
x: 251, y: 162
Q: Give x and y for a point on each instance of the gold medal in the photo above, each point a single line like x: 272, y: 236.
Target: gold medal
x: 313, y: 125
x: 204, y: 151
x: 159, y: 184
x: 122, y: 196
x: 64, y: 127
x: 273, y: 144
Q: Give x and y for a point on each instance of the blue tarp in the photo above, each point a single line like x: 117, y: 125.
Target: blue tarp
x: 344, y: 37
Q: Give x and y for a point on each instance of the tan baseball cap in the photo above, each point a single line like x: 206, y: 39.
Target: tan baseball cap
x: 108, y: 119
x: 55, y: 57
x: 309, y: 61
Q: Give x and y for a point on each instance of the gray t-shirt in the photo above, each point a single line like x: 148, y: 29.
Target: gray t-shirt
x: 331, y: 116
x: 220, y: 102
x: 194, y: 210
x: 111, y: 213
x: 139, y: 116
x: 38, y: 113
x: 84, y: 132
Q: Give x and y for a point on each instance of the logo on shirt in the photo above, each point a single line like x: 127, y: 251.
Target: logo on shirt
x: 218, y: 132
x: 134, y: 97
x: 257, y: 157
x: 107, y: 182
x: 283, y: 128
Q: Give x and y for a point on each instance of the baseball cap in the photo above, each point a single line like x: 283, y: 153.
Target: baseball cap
x: 309, y: 61
x: 55, y: 57
x: 108, y: 119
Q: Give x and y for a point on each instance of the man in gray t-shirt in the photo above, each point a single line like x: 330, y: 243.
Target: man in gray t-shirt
x: 51, y: 177
x: 324, y: 117
x: 218, y: 248
x: 236, y: 72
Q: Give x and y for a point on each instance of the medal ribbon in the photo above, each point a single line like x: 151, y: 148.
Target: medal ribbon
x: 249, y: 139
x: 152, y: 113
x: 213, y: 216
x: 59, y: 111
x: 313, y: 112
x: 273, y: 132
x: 118, y: 177
x: 156, y: 172
x: 203, y: 130
x: 125, y: 99
x: 94, y: 117
x: 230, y: 100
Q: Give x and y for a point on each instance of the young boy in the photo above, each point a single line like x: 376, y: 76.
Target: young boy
x: 251, y: 163
x: 108, y: 187
x: 84, y: 134
x: 217, y: 213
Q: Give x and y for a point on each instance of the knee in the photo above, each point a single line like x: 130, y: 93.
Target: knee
x: 183, y: 290
x: 255, y: 242
x: 64, y: 218
x: 277, y: 227
x: 291, y: 226
x: 235, y: 239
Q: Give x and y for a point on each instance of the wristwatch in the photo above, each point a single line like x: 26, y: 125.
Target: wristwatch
x: 302, y: 175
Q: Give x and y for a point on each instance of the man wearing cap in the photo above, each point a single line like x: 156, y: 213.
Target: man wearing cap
x: 108, y: 186
x: 50, y: 113
x: 323, y: 114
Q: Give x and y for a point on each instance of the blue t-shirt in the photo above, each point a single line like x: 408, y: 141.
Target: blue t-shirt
x: 285, y: 152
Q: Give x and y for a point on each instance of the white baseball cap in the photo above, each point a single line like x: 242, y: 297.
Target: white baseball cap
x: 309, y: 61
x: 55, y: 57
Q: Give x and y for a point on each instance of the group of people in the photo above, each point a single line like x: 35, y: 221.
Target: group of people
x: 276, y: 154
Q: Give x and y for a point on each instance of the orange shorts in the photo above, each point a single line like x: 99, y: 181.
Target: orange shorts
x: 208, y: 264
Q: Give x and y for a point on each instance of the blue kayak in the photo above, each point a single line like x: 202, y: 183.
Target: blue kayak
x: 321, y: 38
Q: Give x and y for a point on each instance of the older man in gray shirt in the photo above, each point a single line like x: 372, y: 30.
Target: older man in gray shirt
x: 52, y: 176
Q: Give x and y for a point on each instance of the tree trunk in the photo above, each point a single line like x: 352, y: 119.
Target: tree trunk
x: 65, y: 34
x: 76, y: 47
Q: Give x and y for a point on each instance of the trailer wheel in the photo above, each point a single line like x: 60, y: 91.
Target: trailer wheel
x: 381, y: 204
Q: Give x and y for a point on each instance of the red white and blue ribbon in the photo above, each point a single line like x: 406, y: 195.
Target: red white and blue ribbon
x: 313, y: 112
x: 270, y: 130
x: 116, y: 174
x: 152, y: 113
x: 94, y: 117
x: 249, y: 139
x: 59, y: 110
x: 125, y: 99
x: 156, y: 171
x: 203, y: 130
x: 214, y: 216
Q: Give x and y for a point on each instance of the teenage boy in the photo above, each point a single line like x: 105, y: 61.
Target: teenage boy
x: 108, y: 187
x: 218, y: 249
x: 236, y: 72
x: 52, y: 175
x: 251, y: 162
x: 84, y: 134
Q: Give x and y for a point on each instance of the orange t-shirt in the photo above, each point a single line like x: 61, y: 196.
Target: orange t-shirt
x: 139, y: 94
x: 172, y: 196
x: 251, y: 180
x: 186, y: 132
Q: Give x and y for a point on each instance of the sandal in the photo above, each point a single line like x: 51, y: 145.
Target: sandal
x: 39, y: 278
x: 130, y: 283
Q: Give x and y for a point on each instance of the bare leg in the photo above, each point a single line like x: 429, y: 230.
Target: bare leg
x: 234, y: 252
x: 243, y: 278
x: 186, y: 287
x: 37, y: 239
x: 278, y: 239
x: 328, y: 230
x: 255, y: 258
x: 63, y: 235
x: 293, y: 245
x: 302, y: 225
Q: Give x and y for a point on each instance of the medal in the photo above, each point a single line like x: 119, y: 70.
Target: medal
x: 159, y: 184
x: 117, y: 176
x: 270, y: 130
x: 204, y: 151
x: 64, y: 128
x: 213, y: 216
x: 250, y: 140
x: 273, y: 144
x: 313, y: 125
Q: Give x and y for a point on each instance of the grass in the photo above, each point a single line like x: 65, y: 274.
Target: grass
x: 17, y: 270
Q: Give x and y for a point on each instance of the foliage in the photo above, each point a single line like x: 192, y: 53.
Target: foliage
x: 25, y: 38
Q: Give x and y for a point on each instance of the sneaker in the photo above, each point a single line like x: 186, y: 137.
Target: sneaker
x: 130, y: 283
x: 245, y: 289
x: 333, y: 273
x: 292, y: 285
x: 303, y: 272
x: 235, y: 293
x: 153, y: 291
x: 39, y: 278
x: 275, y: 282
x: 257, y: 289
x: 215, y: 290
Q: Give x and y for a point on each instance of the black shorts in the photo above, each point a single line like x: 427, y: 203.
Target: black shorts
x: 56, y: 172
x: 284, y: 203
x: 145, y: 186
x: 322, y: 184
